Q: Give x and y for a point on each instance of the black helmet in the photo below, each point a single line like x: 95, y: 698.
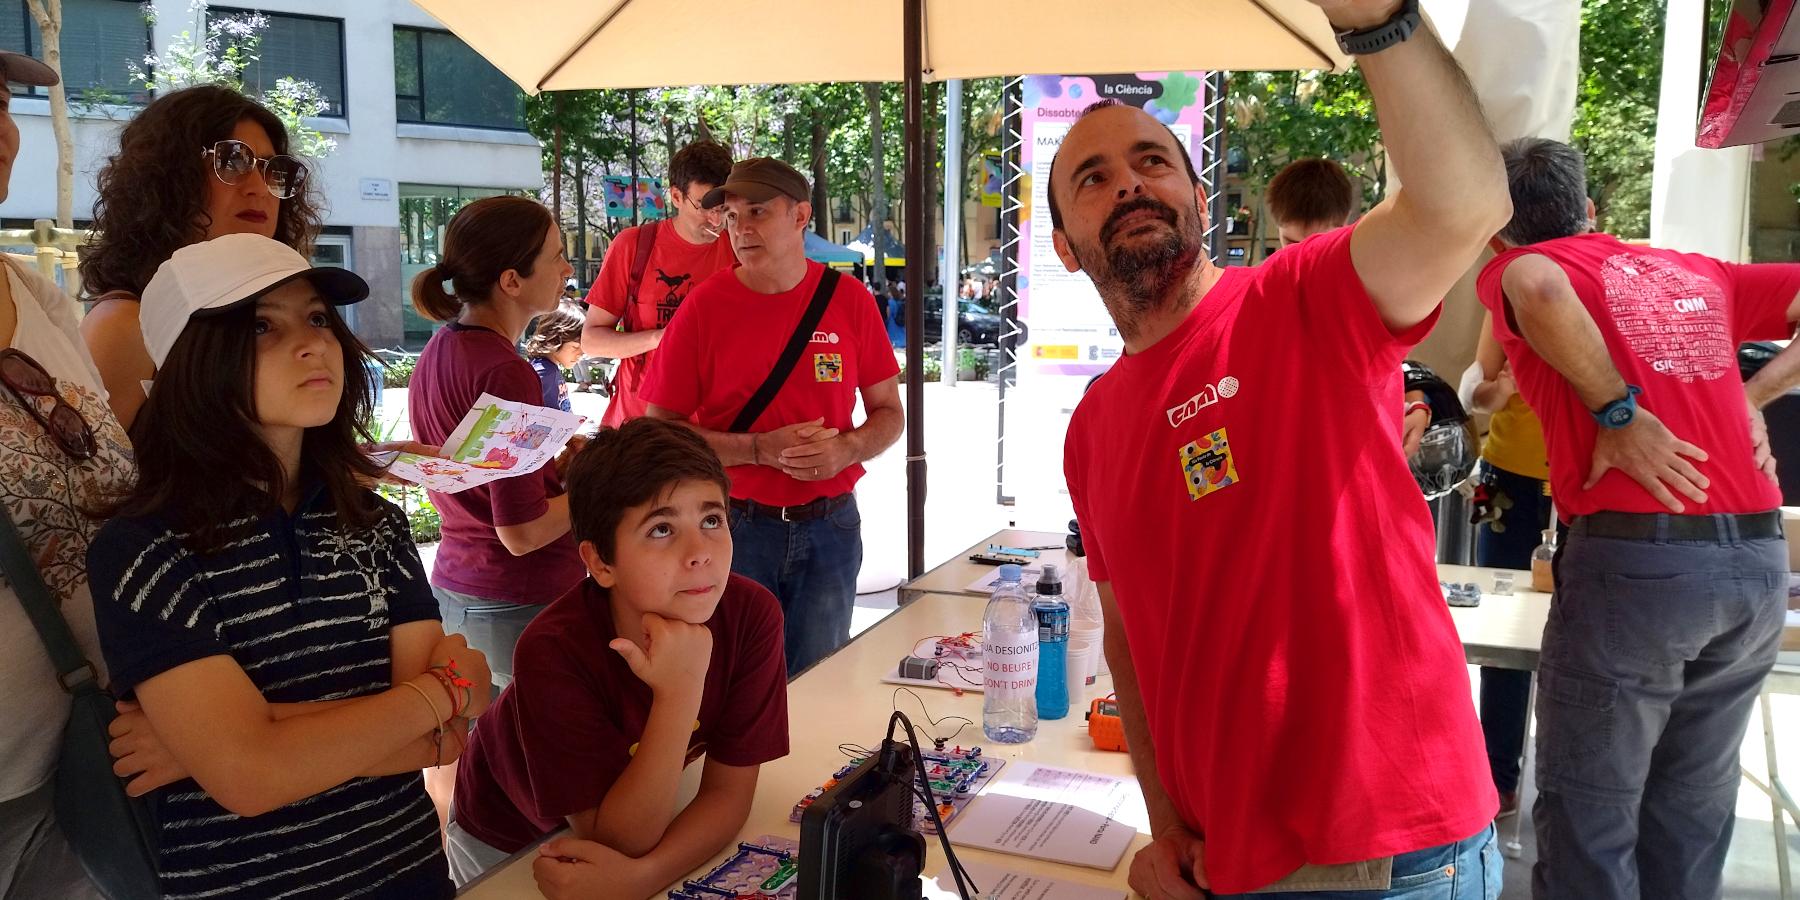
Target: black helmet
x: 1449, y: 448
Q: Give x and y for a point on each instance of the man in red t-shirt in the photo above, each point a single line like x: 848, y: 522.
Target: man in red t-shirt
x: 1294, y: 694
x: 685, y: 251
x: 794, y: 462
x: 1671, y: 584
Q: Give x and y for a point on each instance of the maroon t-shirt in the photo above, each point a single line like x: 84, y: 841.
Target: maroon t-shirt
x: 461, y: 363
x: 559, y: 736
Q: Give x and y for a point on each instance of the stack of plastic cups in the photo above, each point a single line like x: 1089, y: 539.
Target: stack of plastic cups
x: 1086, y: 656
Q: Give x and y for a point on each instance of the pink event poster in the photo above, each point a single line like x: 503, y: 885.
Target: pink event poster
x: 1067, y: 329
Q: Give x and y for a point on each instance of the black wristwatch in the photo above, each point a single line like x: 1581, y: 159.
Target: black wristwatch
x: 1620, y: 412
x: 1374, y: 40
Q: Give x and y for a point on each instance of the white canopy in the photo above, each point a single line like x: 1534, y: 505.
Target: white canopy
x: 548, y: 45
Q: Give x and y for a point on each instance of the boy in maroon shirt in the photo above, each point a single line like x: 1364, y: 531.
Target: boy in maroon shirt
x: 662, y: 655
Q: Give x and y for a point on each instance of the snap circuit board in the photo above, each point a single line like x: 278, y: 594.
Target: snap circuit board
x: 765, y: 869
x: 957, y: 776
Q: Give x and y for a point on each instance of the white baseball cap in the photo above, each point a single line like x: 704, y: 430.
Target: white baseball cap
x: 211, y: 277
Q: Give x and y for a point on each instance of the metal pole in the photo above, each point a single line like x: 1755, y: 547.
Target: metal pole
x: 952, y: 273
x: 1211, y: 149
x: 915, y: 288
x: 634, y: 159
x: 1011, y: 184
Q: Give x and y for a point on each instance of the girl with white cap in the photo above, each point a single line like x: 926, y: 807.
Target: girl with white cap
x: 265, y: 613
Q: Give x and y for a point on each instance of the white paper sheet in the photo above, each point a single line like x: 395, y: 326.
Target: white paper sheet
x: 1062, y: 815
x: 999, y: 884
x: 496, y: 439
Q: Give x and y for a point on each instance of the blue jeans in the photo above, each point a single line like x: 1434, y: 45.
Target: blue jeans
x: 811, y: 568
x: 1654, y: 653
x: 1466, y: 870
x: 1506, y: 693
x: 491, y: 626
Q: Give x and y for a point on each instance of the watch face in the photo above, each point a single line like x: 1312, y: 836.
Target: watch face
x: 1619, y: 416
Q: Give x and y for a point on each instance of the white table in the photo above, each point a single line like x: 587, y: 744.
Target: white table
x: 1505, y: 631
x: 842, y: 699
x: 955, y: 574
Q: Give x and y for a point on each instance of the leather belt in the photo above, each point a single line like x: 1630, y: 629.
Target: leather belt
x: 805, y: 512
x: 1671, y: 527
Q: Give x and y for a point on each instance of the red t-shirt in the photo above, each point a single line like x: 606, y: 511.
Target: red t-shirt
x: 1242, y: 486
x: 1672, y: 324
x: 559, y: 736
x: 675, y: 267
x: 719, y: 350
x: 459, y: 365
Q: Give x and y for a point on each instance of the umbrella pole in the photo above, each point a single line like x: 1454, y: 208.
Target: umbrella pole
x: 915, y: 288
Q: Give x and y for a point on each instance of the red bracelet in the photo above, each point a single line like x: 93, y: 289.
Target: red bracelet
x: 448, y: 676
x: 1415, y: 406
x: 457, y: 702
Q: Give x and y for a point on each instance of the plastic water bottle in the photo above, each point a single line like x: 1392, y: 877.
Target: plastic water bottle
x: 1053, y: 645
x: 1009, y: 644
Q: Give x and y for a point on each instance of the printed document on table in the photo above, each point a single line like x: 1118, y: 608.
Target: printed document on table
x: 1061, y: 815
x: 999, y: 884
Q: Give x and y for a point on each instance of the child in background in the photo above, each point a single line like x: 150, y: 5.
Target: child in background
x: 266, y: 616
x: 662, y: 655
x: 553, y: 347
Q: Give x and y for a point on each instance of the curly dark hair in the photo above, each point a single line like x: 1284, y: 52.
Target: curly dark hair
x: 152, y: 193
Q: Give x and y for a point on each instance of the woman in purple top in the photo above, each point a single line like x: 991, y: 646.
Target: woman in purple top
x: 506, y: 547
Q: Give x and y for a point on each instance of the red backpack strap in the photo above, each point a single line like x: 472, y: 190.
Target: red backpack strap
x: 646, y: 242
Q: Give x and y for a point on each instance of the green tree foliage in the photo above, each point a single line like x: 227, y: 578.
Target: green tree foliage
x: 1279, y: 117
x: 595, y: 131
x: 224, y: 47
x: 1615, y: 108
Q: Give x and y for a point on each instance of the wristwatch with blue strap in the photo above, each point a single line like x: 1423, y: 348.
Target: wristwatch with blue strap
x: 1620, y: 412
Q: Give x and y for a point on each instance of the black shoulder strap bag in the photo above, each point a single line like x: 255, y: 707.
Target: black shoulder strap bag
x: 112, y: 833
x: 784, y: 364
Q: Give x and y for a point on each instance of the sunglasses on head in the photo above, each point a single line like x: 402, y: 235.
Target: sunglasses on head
x: 233, y: 161
x: 27, y: 381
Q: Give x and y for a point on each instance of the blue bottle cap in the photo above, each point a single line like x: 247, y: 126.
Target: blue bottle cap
x: 1011, y: 573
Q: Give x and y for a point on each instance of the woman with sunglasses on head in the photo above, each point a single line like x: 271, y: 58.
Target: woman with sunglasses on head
x: 61, y: 453
x: 195, y: 164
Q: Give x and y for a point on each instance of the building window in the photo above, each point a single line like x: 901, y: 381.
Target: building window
x: 425, y: 211
x: 438, y: 80
x: 102, y: 41
x: 305, y: 48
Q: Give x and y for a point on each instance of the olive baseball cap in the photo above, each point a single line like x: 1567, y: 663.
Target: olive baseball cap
x: 758, y: 180
x: 22, y: 69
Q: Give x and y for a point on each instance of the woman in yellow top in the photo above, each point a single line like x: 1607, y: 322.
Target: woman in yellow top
x: 1515, y: 472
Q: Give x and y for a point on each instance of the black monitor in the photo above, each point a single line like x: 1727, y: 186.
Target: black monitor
x: 859, y: 838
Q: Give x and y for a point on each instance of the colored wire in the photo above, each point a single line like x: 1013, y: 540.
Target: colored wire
x: 934, y: 722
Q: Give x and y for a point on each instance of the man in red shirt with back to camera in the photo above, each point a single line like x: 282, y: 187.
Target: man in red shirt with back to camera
x: 642, y: 284
x: 766, y: 361
x: 1671, y: 586
x: 1293, y: 690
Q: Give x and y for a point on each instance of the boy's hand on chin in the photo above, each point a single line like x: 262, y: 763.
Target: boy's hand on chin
x: 675, y: 658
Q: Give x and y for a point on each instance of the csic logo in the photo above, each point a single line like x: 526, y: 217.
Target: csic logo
x: 1225, y: 389
x: 825, y: 337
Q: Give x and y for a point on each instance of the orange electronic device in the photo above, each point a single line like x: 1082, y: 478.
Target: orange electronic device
x: 1104, y: 724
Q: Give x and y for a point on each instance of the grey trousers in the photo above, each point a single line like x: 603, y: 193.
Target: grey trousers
x: 1653, y: 657
x: 35, y: 860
